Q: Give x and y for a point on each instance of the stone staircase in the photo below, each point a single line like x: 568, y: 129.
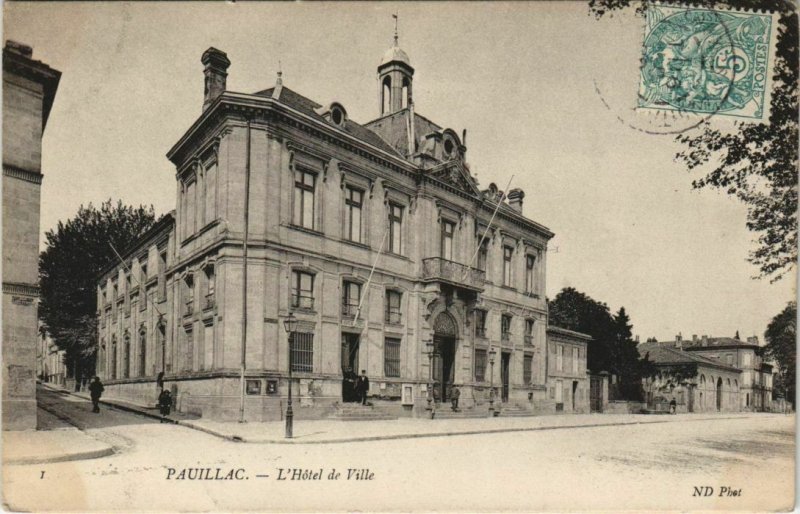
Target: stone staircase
x: 358, y: 412
x: 515, y: 411
x: 447, y: 413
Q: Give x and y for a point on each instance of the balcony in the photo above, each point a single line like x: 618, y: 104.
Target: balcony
x: 437, y: 269
x: 393, y: 318
x: 303, y: 302
x: 349, y: 310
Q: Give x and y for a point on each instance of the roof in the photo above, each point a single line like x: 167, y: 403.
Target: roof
x: 309, y: 108
x: 710, y: 343
x: 395, y: 54
x: 17, y: 59
x: 662, y: 354
x: 569, y: 333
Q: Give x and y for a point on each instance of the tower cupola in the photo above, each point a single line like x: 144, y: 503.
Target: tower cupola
x: 394, y: 78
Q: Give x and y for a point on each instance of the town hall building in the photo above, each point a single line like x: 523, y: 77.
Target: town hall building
x: 375, y: 238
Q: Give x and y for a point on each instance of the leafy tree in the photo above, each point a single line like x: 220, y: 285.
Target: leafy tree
x: 781, y: 336
x: 76, y: 253
x: 754, y: 162
x: 612, y: 348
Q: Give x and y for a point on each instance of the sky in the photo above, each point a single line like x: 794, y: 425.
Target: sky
x: 545, y: 91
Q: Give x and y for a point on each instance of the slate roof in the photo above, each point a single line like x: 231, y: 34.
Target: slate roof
x: 711, y: 343
x: 660, y: 353
x: 308, y: 107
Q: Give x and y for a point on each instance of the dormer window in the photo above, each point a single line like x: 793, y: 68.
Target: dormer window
x: 448, y: 147
x: 337, y: 117
x: 336, y: 114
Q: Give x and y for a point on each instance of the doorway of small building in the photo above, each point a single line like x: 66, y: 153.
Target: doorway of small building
x: 574, y: 392
x: 505, y: 361
x: 596, y: 394
x: 719, y: 393
x: 350, y: 344
x: 443, y: 366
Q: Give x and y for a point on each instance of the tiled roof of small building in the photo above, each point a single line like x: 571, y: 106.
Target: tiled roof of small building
x: 308, y: 107
x: 710, y: 343
x: 660, y: 353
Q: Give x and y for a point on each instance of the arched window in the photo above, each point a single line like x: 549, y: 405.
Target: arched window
x: 406, y: 94
x: 386, y: 95
x: 142, y: 352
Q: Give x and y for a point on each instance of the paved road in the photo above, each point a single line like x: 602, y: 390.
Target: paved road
x: 634, y: 467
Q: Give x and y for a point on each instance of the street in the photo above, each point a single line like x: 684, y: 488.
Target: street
x: 729, y: 464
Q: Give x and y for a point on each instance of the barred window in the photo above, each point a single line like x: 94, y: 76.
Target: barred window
x: 480, y: 365
x: 527, y: 369
x: 393, y: 315
x: 351, y: 297
x: 391, y: 357
x: 302, y: 290
x: 303, y: 352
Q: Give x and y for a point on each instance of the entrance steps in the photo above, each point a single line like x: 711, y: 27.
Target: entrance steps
x: 358, y: 412
x: 448, y: 413
x: 515, y: 411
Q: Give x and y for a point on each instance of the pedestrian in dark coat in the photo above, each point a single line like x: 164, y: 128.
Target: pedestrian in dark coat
x: 672, y: 406
x: 455, y: 394
x: 96, y: 391
x: 164, y: 403
x: 362, y: 386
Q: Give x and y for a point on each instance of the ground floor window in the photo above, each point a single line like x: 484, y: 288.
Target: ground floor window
x: 391, y: 357
x: 303, y: 352
x: 527, y: 369
x: 480, y: 365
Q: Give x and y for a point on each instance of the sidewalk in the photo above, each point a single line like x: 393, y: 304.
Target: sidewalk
x: 41, y: 446
x: 337, y: 431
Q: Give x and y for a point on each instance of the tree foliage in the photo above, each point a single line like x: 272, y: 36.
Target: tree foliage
x: 76, y: 252
x: 754, y: 162
x: 612, y: 348
x: 781, y: 336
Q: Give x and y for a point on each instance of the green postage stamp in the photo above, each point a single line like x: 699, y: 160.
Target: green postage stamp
x: 707, y: 62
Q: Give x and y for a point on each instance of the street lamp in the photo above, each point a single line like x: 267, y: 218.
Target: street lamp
x: 429, y: 347
x: 492, y: 353
x: 290, y: 325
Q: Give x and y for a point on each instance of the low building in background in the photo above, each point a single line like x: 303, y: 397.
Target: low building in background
x: 51, y: 365
x: 567, y: 376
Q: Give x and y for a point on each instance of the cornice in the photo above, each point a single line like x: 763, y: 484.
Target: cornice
x: 21, y: 289
x: 31, y: 176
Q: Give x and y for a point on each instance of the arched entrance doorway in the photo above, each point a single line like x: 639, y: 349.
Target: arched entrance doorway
x: 719, y: 393
x: 444, y: 348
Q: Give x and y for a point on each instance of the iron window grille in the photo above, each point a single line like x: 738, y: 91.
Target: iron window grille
x: 527, y: 369
x: 302, y: 353
x: 391, y: 359
x: 480, y: 365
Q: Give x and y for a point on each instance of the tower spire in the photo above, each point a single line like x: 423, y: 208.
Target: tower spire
x: 395, y: 30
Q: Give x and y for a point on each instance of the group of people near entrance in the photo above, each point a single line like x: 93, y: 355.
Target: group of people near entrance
x: 355, y: 388
x: 164, y: 405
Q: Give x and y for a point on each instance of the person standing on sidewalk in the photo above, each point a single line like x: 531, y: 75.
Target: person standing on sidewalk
x: 362, y: 386
x: 96, y: 391
x: 164, y: 403
x: 455, y: 394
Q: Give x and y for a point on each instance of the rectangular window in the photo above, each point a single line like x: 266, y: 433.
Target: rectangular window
x: 304, y: 199
x: 575, y: 360
x: 508, y: 252
x: 448, y: 228
x: 480, y: 323
x: 393, y: 299
x: 395, y: 229
x: 210, y: 287
x: 352, y: 216
x: 530, y: 261
x: 191, y: 206
x: 505, y: 327
x: 560, y: 358
x: 527, y: 369
x: 351, y: 296
x: 391, y: 357
x: 211, y: 194
x: 302, y: 352
x: 483, y: 254
x: 529, y: 332
x: 302, y: 290
x: 480, y: 365
x: 559, y: 391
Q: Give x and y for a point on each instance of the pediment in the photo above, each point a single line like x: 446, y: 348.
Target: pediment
x: 454, y: 174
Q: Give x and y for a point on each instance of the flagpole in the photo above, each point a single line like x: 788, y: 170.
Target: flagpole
x: 369, y: 279
x: 480, y: 243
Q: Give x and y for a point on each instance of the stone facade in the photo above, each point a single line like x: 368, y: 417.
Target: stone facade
x: 375, y: 237
x: 29, y: 88
x: 50, y: 363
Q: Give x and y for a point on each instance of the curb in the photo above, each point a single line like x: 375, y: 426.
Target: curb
x: 127, y: 408
x: 92, y: 454
x: 238, y: 439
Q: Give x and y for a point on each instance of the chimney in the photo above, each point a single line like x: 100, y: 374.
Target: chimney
x: 216, y: 72
x: 694, y: 337
x: 19, y: 48
x: 752, y: 339
x: 704, y: 339
x: 515, y: 197
x: 679, y: 337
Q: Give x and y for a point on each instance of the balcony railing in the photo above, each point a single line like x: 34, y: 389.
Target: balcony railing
x: 439, y: 269
x: 394, y: 318
x: 505, y: 336
x: 189, y: 308
x: 302, y: 302
x: 209, y: 302
x: 349, y: 309
x: 480, y: 332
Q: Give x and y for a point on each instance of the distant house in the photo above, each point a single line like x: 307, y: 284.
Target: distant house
x: 715, y: 387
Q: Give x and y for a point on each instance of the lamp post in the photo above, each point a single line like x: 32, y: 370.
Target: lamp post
x: 492, y: 353
x: 429, y: 346
x: 290, y: 325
